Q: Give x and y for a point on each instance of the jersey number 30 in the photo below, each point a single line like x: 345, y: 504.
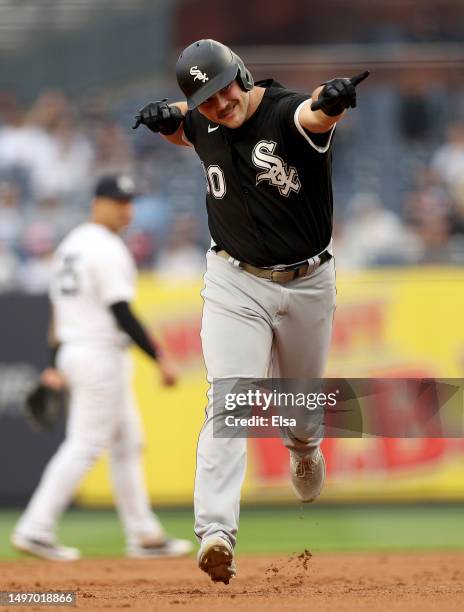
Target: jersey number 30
x: 215, y: 181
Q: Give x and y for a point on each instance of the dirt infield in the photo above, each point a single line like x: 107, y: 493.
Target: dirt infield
x: 375, y: 582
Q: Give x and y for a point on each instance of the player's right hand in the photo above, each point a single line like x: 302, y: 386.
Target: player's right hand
x: 159, y: 117
x: 168, y: 371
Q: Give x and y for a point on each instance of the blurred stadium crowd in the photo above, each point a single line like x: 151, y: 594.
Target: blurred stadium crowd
x: 426, y: 226
x: 50, y: 156
x: 51, y: 153
x: 398, y: 158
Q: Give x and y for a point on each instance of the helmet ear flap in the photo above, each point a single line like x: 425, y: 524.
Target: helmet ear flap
x: 244, y: 78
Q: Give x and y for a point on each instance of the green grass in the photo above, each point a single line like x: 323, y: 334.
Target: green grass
x: 279, y: 530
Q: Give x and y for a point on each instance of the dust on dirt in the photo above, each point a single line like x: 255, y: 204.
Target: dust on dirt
x: 292, y: 569
x: 302, y: 581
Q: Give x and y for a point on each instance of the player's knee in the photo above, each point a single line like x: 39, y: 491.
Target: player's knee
x: 88, y: 451
x: 127, y: 448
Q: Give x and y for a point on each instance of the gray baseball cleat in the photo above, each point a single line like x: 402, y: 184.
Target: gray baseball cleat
x: 308, y: 475
x: 216, y: 558
x: 153, y: 549
x: 49, y: 550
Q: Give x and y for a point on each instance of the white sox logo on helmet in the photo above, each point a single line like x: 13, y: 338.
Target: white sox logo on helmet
x: 277, y: 173
x: 198, y: 74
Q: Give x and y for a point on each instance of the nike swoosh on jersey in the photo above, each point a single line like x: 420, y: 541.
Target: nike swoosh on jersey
x: 212, y: 129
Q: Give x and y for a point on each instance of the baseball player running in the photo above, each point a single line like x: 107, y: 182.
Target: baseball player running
x: 93, y: 284
x: 269, y: 295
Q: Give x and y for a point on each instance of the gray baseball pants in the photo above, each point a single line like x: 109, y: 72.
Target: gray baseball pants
x: 253, y: 328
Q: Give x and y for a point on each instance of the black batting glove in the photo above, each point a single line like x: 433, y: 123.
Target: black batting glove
x: 159, y: 117
x: 338, y: 94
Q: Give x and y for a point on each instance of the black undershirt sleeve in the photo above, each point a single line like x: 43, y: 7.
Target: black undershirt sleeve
x: 53, y: 352
x: 319, y: 139
x: 188, y: 127
x: 129, y: 323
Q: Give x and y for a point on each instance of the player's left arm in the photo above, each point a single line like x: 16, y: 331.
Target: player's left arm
x: 51, y: 377
x: 329, y: 102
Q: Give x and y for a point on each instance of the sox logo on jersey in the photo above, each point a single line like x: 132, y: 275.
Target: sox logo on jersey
x: 198, y: 74
x: 277, y: 173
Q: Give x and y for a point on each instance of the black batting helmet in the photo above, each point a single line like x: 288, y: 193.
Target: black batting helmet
x: 205, y: 67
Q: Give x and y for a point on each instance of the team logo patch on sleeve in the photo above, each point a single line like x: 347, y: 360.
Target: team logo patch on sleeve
x: 276, y: 171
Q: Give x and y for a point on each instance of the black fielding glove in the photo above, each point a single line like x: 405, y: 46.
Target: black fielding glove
x: 159, y: 117
x: 338, y: 94
x: 43, y: 406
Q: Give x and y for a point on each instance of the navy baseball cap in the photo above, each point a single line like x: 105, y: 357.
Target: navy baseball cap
x: 119, y: 187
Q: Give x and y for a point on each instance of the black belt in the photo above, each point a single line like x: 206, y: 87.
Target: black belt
x: 283, y: 275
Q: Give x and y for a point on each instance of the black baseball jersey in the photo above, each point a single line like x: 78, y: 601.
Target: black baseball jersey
x: 269, y: 191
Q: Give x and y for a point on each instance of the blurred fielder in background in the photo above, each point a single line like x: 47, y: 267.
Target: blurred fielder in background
x: 269, y: 294
x: 93, y: 284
